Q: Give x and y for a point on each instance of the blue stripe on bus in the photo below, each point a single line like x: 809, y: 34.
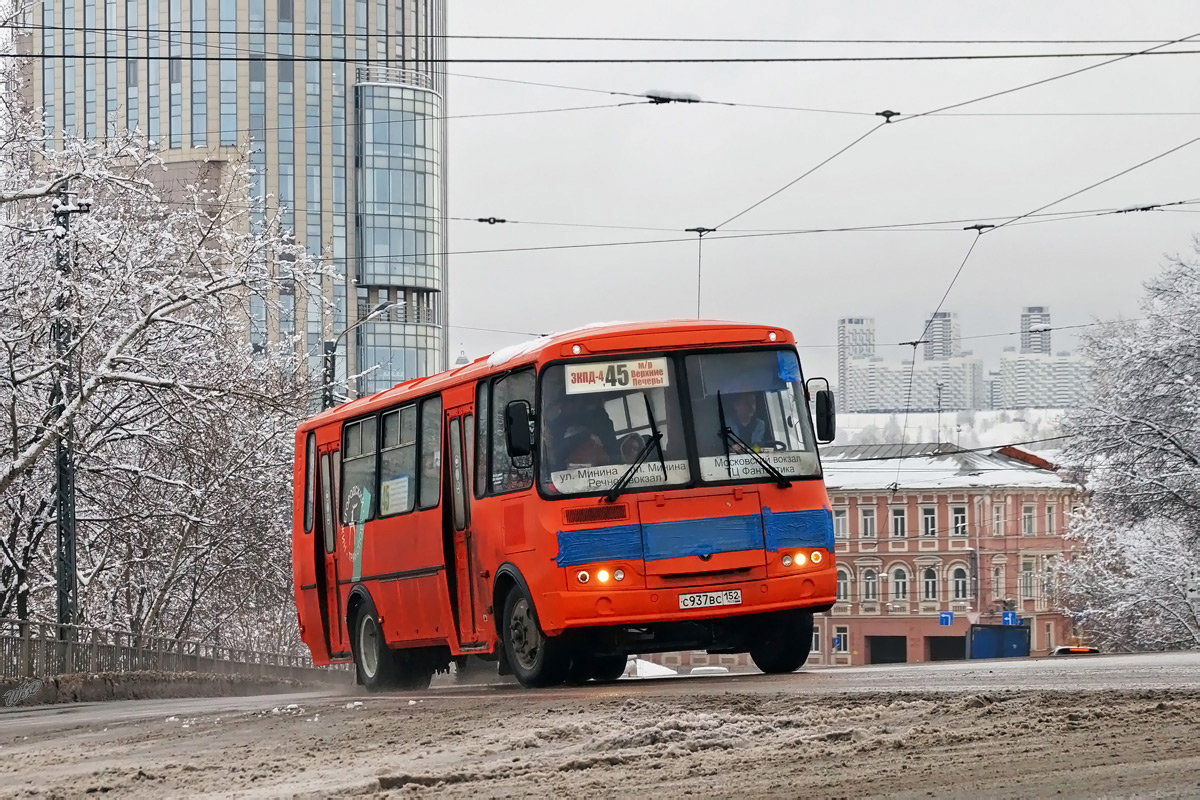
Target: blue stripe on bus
x: 599, y: 544
x: 785, y: 529
x: 702, y: 537
x: 696, y: 537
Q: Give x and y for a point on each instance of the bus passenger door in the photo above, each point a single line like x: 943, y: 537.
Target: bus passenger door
x: 460, y: 438
x: 331, y: 606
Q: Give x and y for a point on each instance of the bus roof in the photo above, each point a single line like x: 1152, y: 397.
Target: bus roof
x: 601, y: 339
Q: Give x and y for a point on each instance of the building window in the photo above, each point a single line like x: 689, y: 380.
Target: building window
x: 1049, y: 635
x: 1050, y: 514
x: 870, y: 585
x: 900, y: 584
x: 1027, y: 580
x: 841, y: 524
x: 843, y: 585
x: 816, y: 642
x: 960, y: 583
x: 285, y: 11
x: 899, y: 523
x: 959, y: 521
x: 1027, y: 521
x: 929, y: 522
x: 998, y: 583
x: 930, y: 584
x: 841, y: 639
x: 998, y: 520
x: 866, y: 529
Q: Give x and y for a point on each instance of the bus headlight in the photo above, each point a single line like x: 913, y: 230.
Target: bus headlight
x: 602, y: 576
x: 619, y: 574
x: 787, y: 561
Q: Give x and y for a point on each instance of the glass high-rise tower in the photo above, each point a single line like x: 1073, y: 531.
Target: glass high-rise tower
x: 340, y: 103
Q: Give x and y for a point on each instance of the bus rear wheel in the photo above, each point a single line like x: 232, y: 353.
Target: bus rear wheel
x: 537, y: 660
x: 374, y: 660
x: 783, y: 642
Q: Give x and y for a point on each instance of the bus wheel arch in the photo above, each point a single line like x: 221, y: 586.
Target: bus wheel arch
x: 508, y: 577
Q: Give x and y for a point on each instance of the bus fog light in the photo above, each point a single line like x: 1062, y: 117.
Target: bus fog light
x: 583, y: 576
x: 619, y: 574
x: 602, y: 576
x: 816, y: 556
x: 787, y: 561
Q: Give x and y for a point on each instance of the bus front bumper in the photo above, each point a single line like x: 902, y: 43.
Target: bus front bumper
x: 559, y: 611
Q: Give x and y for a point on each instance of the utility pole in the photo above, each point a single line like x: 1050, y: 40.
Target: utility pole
x: 699, y: 231
x: 939, y: 410
x: 331, y: 346
x: 62, y: 333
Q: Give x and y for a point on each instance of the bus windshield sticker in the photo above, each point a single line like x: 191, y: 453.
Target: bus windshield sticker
x: 576, y: 480
x: 789, y: 367
x: 615, y: 376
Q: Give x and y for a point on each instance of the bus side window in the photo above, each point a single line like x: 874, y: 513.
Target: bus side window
x: 481, y: 442
x: 431, y: 452
x: 508, y: 474
x: 310, y: 479
x: 398, y: 461
x: 359, y: 448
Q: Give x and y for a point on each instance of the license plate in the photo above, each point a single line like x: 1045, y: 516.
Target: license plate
x: 729, y: 597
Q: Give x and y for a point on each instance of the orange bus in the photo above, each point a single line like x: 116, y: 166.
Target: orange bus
x: 559, y: 505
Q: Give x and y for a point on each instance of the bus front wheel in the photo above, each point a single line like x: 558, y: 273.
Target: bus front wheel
x: 783, y: 642
x: 537, y: 660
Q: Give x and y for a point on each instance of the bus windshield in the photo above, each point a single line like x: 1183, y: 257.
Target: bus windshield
x: 750, y: 401
x: 599, y: 416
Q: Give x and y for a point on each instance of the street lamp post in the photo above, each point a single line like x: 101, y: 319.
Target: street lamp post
x: 331, y: 345
x: 62, y: 332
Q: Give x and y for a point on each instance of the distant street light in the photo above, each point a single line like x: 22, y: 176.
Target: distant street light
x: 331, y: 346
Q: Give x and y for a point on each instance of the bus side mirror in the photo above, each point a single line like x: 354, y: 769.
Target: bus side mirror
x: 517, y: 430
x: 824, y: 410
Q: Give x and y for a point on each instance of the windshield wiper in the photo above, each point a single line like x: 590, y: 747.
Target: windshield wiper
x: 728, y: 435
x: 617, y: 487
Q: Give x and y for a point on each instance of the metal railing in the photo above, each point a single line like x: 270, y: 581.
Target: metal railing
x: 406, y: 77
x: 35, y: 649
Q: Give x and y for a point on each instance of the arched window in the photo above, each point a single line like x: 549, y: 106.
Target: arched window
x: 931, y: 587
x: 870, y: 585
x: 997, y: 583
x: 900, y: 584
x: 960, y: 583
x: 843, y: 585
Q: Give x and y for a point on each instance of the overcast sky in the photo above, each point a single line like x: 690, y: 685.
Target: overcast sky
x: 681, y: 166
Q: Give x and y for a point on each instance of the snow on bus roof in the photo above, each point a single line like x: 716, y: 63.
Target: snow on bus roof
x: 507, y: 354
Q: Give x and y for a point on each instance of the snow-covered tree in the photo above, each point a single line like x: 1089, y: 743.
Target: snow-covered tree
x: 1138, y: 441
x: 1126, y: 583
x: 182, y: 430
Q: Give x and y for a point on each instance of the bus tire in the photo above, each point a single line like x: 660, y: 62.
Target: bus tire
x: 373, y: 659
x: 783, y: 643
x: 606, y: 669
x: 537, y: 660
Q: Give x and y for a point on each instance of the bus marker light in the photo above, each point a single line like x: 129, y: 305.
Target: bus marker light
x: 583, y: 576
x: 816, y: 556
x: 772, y: 336
x: 576, y: 349
x: 787, y: 561
x: 619, y: 574
x: 602, y: 576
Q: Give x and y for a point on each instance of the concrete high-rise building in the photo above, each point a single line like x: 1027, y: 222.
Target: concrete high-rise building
x: 340, y: 103
x: 1035, y: 333
x: 942, y: 336
x: 1040, y: 380
x: 882, y: 386
x: 856, y: 339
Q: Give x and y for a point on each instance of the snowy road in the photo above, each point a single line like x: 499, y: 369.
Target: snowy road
x: 1095, y: 725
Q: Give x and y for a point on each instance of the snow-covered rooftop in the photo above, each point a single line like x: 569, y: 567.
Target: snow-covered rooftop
x: 929, y: 466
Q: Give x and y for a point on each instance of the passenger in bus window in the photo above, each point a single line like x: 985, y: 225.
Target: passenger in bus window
x: 746, y: 423
x: 583, y: 448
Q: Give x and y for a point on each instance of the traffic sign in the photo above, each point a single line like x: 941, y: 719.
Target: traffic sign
x: 973, y: 617
x: 837, y: 643
x: 1009, y: 618
x: 947, y: 617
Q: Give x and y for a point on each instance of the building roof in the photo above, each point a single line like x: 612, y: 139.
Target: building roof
x: 931, y: 467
